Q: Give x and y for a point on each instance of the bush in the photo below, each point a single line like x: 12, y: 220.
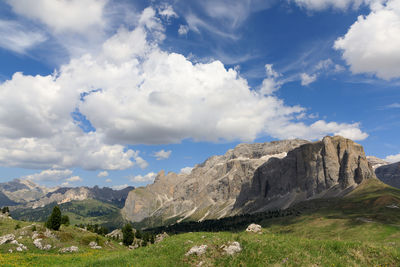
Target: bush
x: 17, y: 226
x: 65, y: 220
x: 54, y: 221
x: 33, y: 228
x: 127, y: 235
x: 5, y: 210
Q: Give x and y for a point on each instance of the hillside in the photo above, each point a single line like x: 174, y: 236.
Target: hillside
x: 89, y: 211
x: 361, y: 229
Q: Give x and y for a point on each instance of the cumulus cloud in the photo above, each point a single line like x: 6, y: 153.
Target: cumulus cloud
x: 133, y: 92
x: 393, y: 158
x: 18, y: 38
x: 49, y: 175
x: 187, y: 170
x: 372, y: 44
x: 162, y: 154
x: 102, y: 174
x: 307, y: 79
x: 62, y: 15
x: 144, y: 179
x: 74, y: 179
x: 108, y: 180
x: 183, y: 29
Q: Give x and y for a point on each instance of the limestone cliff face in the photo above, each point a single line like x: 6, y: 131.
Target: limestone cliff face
x: 327, y: 168
x: 389, y: 174
x: 209, y: 191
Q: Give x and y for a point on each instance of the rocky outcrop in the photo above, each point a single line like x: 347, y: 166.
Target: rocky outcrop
x: 389, y: 174
x: 209, y: 191
x: 328, y: 168
x: 376, y: 162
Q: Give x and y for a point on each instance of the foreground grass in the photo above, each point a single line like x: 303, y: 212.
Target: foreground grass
x: 268, y: 248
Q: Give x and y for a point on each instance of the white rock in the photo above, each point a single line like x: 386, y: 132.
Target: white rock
x: 69, y: 249
x: 232, y: 248
x: 160, y: 237
x: 14, y: 242
x: 198, y: 250
x: 38, y: 244
x: 94, y: 245
x: 35, y: 235
x: 6, y: 238
x: 10, y: 250
x: 255, y: 228
x: 48, y: 234
x: 19, y: 249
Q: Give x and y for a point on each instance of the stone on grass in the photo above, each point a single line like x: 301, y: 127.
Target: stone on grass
x: 94, y: 245
x: 198, y: 250
x: 232, y: 248
x: 160, y: 237
x: 255, y: 228
x: 6, y: 238
x: 69, y: 249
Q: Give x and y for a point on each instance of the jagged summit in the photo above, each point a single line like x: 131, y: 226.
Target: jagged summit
x: 250, y: 178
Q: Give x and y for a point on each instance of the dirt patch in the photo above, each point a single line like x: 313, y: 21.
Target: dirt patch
x: 385, y: 200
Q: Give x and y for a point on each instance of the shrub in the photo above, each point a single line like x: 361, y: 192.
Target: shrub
x: 65, y: 220
x: 17, y: 226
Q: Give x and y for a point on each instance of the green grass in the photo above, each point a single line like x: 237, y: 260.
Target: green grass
x: 328, y: 233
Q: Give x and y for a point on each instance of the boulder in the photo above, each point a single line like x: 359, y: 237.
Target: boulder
x: 94, y: 245
x: 255, y: 228
x: 6, y: 238
x: 232, y: 248
x: 198, y: 250
x: 160, y: 237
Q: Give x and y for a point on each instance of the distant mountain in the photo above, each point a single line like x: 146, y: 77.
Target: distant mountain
x: 376, y: 162
x: 26, y: 194
x: 251, y: 178
x: 389, y: 174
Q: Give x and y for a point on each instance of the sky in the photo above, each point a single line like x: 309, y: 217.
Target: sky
x: 109, y: 93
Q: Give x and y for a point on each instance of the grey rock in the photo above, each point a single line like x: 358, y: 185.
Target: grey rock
x: 6, y: 238
x: 117, y: 234
x: 198, y: 250
x: 160, y: 237
x: 328, y: 168
x: 376, y: 162
x: 232, y: 248
x: 254, y: 228
x: 209, y: 191
x: 69, y: 249
x: 389, y: 174
x: 94, y: 245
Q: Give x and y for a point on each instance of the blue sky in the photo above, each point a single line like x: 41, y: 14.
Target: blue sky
x: 111, y: 92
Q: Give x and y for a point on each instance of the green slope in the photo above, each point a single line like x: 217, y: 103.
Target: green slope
x: 89, y: 211
x: 362, y: 229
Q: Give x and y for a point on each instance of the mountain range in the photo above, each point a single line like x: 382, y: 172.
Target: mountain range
x: 248, y: 179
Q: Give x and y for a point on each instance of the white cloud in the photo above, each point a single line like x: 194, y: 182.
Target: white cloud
x: 65, y: 184
x: 393, y: 158
x: 62, y: 15
x: 102, y: 174
x: 325, y: 4
x: 167, y: 11
x: 372, y: 44
x: 108, y: 180
x: 146, y: 96
x: 186, y: 170
x: 119, y: 187
x: 74, y: 179
x: 162, y: 154
x: 270, y: 84
x: 49, y: 175
x: 183, y: 29
x: 144, y: 179
x: 307, y: 79
x: 17, y: 38
x: 394, y: 105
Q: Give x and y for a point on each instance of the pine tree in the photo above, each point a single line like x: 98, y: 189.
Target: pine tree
x: 54, y: 221
x: 127, y: 235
